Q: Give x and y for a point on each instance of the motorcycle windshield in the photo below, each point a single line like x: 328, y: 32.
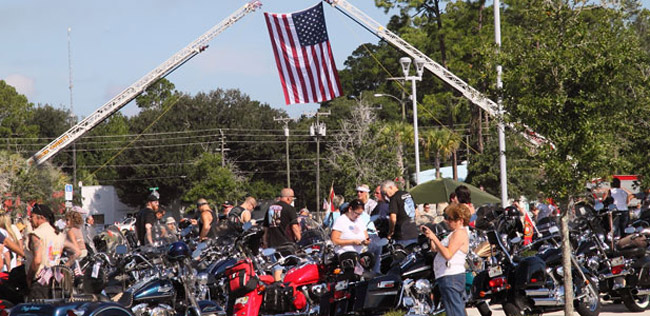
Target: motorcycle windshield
x: 312, y: 232
x: 113, y: 237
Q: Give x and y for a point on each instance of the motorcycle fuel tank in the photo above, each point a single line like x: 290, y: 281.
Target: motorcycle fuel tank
x: 305, y: 274
x: 155, y: 290
x: 78, y: 308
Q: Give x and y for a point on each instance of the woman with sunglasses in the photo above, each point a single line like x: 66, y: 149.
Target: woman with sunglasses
x: 449, y: 263
x: 349, y: 232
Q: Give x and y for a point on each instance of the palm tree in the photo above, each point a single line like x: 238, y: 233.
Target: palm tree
x: 442, y: 143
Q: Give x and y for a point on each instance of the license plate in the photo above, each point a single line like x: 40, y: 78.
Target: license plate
x: 95, y: 272
x: 242, y: 300
x: 618, y: 261
x: 495, y: 271
x: 341, y: 285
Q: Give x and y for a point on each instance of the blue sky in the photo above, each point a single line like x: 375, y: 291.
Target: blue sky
x: 114, y: 43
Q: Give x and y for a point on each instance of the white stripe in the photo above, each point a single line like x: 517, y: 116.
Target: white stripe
x: 278, y: 51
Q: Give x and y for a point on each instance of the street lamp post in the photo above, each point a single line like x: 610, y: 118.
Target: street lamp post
x: 405, y: 62
x: 401, y: 102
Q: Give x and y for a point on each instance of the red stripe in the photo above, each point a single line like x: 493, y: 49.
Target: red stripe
x: 626, y: 177
x: 311, y: 76
x: 326, y: 71
x: 296, y: 60
x: 334, y: 71
x: 277, y: 58
x: 321, y: 88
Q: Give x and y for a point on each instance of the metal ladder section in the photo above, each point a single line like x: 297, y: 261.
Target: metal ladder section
x: 130, y: 93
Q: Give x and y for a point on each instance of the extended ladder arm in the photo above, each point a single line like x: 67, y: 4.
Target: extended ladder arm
x: 438, y: 70
x: 130, y: 93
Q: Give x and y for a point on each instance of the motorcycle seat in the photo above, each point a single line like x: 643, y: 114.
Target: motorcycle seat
x: 88, y: 298
x: 633, y: 252
x: 125, y: 299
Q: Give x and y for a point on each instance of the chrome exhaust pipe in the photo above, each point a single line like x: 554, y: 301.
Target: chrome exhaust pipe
x: 538, y: 292
x: 547, y: 302
x: 640, y: 291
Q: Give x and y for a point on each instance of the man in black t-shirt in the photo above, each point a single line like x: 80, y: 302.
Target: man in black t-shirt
x: 146, y: 219
x: 281, y: 222
x: 241, y: 214
x: 402, y: 214
x: 281, y: 225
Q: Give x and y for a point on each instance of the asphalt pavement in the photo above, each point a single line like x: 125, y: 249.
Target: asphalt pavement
x: 608, y: 309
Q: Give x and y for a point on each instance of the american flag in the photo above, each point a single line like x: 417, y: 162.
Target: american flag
x: 303, y: 55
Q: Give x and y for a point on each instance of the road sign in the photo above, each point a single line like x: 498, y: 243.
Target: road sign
x: 68, y: 192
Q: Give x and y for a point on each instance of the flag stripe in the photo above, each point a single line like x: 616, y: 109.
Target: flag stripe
x: 307, y: 70
x: 281, y: 68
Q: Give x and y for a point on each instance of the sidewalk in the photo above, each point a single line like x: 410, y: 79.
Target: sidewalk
x: 607, y: 309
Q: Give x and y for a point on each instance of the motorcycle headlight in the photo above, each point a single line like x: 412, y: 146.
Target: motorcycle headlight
x: 422, y: 286
x: 202, y: 278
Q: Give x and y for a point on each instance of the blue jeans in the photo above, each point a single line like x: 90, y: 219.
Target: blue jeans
x: 452, y: 292
x: 376, y: 250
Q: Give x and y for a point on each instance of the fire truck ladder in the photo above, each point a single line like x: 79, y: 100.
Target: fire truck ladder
x: 130, y: 93
x: 447, y: 76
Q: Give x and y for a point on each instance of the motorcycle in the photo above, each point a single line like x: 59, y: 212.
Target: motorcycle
x: 622, y: 266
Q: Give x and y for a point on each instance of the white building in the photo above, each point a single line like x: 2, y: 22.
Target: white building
x: 102, y: 203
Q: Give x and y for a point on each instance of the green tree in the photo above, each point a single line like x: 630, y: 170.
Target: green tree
x: 15, y: 111
x: 214, y: 183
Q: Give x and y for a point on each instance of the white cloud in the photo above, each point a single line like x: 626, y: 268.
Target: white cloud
x: 23, y: 84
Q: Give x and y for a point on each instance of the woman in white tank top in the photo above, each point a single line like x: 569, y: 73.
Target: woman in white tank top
x: 449, y: 263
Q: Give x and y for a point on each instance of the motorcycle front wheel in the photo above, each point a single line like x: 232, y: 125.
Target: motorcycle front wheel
x: 635, y: 303
x: 590, y: 304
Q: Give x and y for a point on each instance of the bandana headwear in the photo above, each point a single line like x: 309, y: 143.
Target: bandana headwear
x: 43, y: 210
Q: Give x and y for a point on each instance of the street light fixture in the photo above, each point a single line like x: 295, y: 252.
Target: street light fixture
x: 405, y: 62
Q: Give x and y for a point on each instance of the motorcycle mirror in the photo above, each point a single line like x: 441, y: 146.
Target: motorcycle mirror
x: 196, y: 254
x: 247, y: 226
x: 630, y: 230
x: 267, y: 252
x: 598, y: 206
x: 120, y: 249
x: 515, y: 240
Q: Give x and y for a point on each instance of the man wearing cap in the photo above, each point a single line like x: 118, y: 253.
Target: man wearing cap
x: 146, y: 219
x: 364, y: 195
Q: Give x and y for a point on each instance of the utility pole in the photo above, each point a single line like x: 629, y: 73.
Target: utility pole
x: 286, y: 135
x: 318, y: 130
x: 73, y: 118
x: 223, y: 149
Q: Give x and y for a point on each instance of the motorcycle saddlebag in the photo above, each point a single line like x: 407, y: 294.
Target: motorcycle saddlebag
x: 277, y: 299
x: 383, y: 293
x: 241, y: 278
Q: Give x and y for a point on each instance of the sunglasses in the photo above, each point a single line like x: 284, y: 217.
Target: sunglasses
x: 448, y: 218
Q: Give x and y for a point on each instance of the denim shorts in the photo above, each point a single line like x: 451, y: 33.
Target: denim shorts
x: 452, y: 292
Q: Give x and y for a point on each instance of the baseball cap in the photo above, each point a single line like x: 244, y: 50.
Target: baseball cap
x: 363, y: 188
x: 153, y: 196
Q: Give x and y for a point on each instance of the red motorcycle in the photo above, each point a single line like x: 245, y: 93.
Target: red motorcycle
x: 253, y: 293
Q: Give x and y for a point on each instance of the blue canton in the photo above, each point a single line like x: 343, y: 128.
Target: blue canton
x: 310, y: 26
